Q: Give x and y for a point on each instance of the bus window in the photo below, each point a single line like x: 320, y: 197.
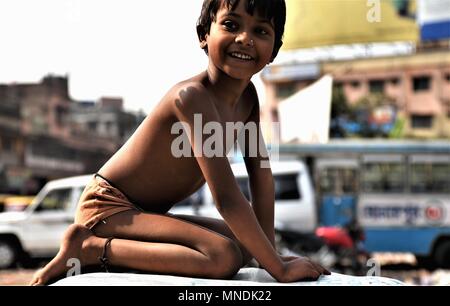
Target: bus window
x: 338, y: 181
x: 430, y: 178
x: 384, y: 177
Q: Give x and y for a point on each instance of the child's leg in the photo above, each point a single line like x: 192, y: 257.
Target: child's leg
x: 149, y: 242
x: 218, y: 226
x: 172, y: 246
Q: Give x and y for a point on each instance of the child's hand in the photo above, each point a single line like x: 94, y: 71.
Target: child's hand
x: 289, y: 258
x: 302, y: 269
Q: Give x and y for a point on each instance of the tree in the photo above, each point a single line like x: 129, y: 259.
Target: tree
x: 339, y: 111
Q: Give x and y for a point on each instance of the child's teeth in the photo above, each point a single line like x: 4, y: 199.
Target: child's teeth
x: 241, y: 56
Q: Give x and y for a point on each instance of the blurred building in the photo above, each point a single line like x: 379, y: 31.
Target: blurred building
x: 45, y: 135
x: 106, y: 119
x: 11, y: 138
x: 418, y: 83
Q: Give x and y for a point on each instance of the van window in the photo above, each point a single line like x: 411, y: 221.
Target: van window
x: 244, y: 186
x: 58, y: 199
x: 194, y: 199
x: 79, y: 192
x: 286, y: 187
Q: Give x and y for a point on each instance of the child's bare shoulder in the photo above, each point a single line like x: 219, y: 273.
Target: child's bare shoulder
x: 190, y: 96
x: 193, y: 97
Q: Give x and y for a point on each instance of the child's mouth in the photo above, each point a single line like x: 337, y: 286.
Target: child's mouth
x: 240, y: 56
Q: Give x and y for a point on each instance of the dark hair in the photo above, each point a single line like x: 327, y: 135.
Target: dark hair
x: 269, y: 9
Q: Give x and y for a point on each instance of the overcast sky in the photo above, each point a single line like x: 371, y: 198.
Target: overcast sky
x: 136, y: 49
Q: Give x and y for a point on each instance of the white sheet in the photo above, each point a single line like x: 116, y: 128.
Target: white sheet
x: 245, y: 277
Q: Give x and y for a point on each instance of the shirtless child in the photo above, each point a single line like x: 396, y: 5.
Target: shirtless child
x: 131, y: 195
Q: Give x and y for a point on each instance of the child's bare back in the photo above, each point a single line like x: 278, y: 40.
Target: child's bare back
x: 145, y: 166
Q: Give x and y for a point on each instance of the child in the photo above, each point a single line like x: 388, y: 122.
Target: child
x: 129, y: 198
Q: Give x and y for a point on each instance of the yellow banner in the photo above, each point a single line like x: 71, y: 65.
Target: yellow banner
x: 312, y: 23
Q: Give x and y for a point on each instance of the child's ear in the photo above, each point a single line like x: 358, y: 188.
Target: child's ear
x: 202, y: 35
x: 275, y: 52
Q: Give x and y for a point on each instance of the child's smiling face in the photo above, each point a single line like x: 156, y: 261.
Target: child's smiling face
x: 240, y: 44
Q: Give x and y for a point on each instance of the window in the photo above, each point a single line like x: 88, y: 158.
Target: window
x: 6, y: 144
x: 60, y: 113
x: 286, y: 187
x: 421, y: 121
x: 376, y: 86
x: 285, y: 90
x: 92, y: 125
x: 421, y: 83
x: 338, y: 181
x: 384, y: 177
x: 109, y: 126
x: 338, y: 86
x: 244, y: 186
x: 430, y: 178
x: 355, y: 84
x: 194, y: 199
x: 58, y: 199
x: 394, y: 81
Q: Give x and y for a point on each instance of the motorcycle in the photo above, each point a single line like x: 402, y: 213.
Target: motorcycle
x: 337, y: 248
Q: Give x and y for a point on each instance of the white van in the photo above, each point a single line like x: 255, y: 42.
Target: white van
x: 37, y: 231
x: 294, y: 197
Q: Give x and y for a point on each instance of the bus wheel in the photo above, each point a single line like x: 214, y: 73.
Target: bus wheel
x: 442, y: 254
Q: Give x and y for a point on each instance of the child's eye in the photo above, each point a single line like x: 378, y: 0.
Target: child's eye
x: 230, y: 25
x: 262, y: 31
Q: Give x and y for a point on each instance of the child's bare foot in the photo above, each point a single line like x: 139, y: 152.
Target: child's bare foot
x: 78, y: 242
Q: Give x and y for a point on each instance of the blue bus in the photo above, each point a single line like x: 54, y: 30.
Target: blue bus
x: 398, y: 191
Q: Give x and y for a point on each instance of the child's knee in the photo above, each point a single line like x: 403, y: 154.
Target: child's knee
x: 226, y: 260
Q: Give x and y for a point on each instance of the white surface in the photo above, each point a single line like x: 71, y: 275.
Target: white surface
x: 245, y: 277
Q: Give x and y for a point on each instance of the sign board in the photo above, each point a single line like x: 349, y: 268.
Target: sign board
x: 332, y: 22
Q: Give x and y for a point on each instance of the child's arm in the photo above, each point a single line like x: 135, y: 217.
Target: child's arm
x: 194, y: 99
x: 260, y: 177
x: 229, y: 200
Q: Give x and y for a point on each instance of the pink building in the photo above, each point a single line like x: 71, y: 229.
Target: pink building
x: 419, y: 84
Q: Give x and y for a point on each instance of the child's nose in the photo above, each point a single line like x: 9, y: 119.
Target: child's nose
x: 245, y: 39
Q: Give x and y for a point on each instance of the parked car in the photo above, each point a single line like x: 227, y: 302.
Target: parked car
x: 37, y: 231
x: 294, y: 197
